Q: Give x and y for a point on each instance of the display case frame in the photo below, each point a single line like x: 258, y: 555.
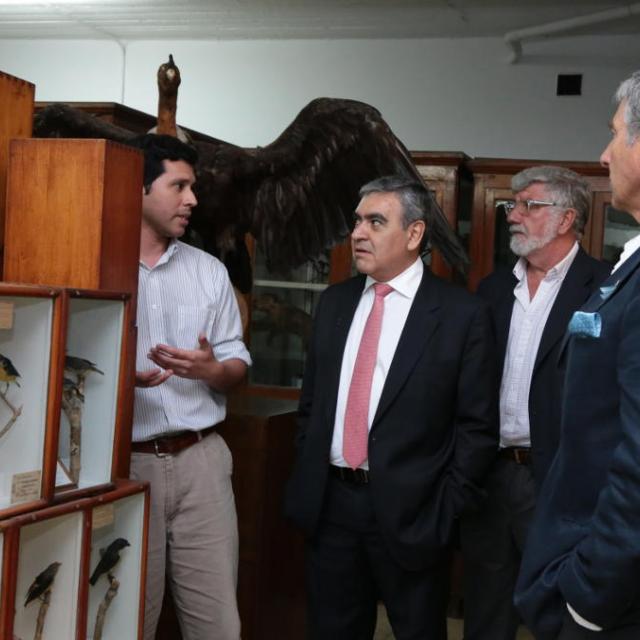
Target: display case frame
x: 65, y: 533
x: 108, y: 398
x: 36, y: 316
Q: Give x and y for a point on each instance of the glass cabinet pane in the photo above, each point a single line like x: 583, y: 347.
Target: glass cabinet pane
x: 619, y: 227
x: 281, y: 319
x: 502, y: 254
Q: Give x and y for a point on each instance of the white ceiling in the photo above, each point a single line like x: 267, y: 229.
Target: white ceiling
x: 127, y: 20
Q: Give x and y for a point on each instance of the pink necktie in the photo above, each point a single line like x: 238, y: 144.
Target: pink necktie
x: 356, y: 417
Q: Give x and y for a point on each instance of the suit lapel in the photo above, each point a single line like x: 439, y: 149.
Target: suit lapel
x: 421, y: 322
x: 573, y: 292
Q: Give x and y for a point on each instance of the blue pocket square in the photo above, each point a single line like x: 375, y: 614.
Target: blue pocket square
x: 585, y: 325
x: 605, y: 292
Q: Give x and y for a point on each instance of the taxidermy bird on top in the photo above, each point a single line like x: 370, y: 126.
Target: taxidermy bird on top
x: 296, y: 196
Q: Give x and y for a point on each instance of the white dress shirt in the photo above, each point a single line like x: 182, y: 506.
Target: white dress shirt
x: 396, y: 309
x: 528, y: 319
x: 630, y: 247
x: 186, y: 293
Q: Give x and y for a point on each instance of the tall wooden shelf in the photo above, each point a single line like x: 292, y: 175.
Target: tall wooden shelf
x: 16, y: 121
x: 72, y: 221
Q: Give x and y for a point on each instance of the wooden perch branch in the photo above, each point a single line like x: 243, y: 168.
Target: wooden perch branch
x: 112, y: 592
x: 15, y: 414
x: 45, y: 598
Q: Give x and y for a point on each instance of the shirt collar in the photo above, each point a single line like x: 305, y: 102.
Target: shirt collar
x: 558, y: 271
x: 405, y: 283
x: 629, y: 248
x: 172, y: 247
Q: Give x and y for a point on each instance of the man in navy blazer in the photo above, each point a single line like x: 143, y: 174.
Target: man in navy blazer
x: 531, y: 306
x: 580, y: 575
x: 381, y: 530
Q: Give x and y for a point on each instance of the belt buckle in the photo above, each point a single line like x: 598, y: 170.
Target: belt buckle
x: 157, y: 452
x: 520, y: 455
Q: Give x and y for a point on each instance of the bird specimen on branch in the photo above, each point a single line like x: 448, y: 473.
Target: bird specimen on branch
x: 108, y: 559
x: 296, y: 196
x: 42, y: 583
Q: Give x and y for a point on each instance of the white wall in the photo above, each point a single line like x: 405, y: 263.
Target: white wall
x: 455, y: 95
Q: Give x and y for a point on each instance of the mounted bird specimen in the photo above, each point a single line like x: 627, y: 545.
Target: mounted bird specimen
x: 296, y: 196
x: 42, y: 583
x: 9, y: 375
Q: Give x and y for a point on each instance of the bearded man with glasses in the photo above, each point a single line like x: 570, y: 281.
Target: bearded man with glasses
x: 531, y: 307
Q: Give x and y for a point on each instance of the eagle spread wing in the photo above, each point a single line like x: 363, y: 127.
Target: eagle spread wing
x: 296, y: 196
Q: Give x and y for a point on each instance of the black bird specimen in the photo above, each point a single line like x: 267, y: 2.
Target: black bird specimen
x: 42, y: 583
x: 8, y: 373
x: 296, y: 196
x: 108, y: 559
x: 80, y: 365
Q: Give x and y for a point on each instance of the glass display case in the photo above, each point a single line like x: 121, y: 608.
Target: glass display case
x: 90, y: 388
x: 282, y: 307
x: 29, y: 320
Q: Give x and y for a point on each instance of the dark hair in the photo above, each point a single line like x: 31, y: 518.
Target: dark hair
x: 157, y: 148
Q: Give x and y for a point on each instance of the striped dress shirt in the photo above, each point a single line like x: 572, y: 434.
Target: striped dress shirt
x: 186, y: 293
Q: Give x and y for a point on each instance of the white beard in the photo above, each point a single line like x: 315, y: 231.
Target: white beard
x: 522, y: 245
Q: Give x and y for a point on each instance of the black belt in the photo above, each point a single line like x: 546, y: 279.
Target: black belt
x: 354, y: 476
x: 171, y: 445
x: 519, y: 455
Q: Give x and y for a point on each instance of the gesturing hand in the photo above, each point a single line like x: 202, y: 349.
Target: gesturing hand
x: 151, y: 377
x: 195, y: 364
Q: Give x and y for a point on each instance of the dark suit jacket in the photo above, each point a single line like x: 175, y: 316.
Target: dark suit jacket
x: 545, y: 393
x: 584, y: 545
x: 434, y: 432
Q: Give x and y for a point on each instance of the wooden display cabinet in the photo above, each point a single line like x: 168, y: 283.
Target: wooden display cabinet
x: 489, y: 246
x: 16, y: 121
x: 31, y: 344
x: 138, y: 122
x: 72, y: 534
x: 102, y: 399
x: 73, y: 214
x: 448, y: 177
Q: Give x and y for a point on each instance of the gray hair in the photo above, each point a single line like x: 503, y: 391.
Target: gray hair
x: 564, y: 186
x: 413, y: 195
x: 629, y: 92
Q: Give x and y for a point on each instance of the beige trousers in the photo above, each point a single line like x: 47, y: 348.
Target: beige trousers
x: 193, y: 537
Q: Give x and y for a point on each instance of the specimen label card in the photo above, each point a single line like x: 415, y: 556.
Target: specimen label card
x: 25, y: 486
x: 6, y: 315
x: 103, y: 515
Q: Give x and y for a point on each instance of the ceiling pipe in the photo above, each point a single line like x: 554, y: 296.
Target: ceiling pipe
x: 514, y: 39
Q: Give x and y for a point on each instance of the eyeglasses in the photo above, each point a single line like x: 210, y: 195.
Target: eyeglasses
x: 511, y: 205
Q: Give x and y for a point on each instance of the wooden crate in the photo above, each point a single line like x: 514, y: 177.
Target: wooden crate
x: 73, y: 214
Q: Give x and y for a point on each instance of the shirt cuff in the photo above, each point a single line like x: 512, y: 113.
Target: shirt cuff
x: 581, y: 621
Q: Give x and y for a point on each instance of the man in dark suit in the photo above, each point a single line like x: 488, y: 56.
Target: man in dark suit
x: 532, y: 305
x: 377, y: 489
x: 580, y: 575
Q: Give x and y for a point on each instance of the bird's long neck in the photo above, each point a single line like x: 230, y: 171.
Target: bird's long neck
x: 167, y: 106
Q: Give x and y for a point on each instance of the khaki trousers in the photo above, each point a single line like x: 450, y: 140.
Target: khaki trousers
x: 193, y: 537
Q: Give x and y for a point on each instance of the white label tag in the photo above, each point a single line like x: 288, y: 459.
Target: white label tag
x: 103, y: 515
x: 6, y: 315
x: 25, y: 487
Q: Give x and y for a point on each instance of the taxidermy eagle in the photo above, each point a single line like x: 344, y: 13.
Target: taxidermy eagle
x: 296, y: 196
